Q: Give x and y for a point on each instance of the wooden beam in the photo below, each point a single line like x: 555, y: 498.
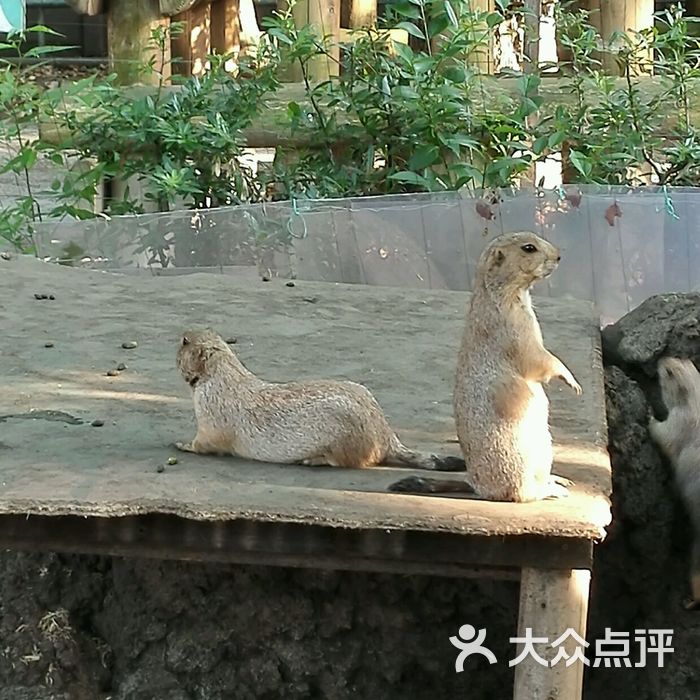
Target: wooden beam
x: 287, y: 544
x: 551, y: 603
x: 129, y: 27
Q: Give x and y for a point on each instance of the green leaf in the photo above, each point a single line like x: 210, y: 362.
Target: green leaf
x: 43, y: 29
x: 581, y: 163
x: 423, y: 157
x: 493, y: 20
x: 409, y: 178
x: 411, y: 29
x: 37, y: 51
x: 556, y: 139
x: 405, y: 51
x: 455, y: 74
x: 437, y: 25
x: 540, y: 143
x: 451, y: 14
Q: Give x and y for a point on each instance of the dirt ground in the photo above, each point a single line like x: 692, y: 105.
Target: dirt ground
x: 82, y: 627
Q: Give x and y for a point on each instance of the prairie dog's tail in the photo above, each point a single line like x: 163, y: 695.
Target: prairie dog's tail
x: 399, y: 454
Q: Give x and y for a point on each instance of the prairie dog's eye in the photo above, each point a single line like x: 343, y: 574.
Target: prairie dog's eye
x: 528, y: 248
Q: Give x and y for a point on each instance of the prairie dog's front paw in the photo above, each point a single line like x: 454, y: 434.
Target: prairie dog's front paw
x: 570, y: 381
x: 184, y: 446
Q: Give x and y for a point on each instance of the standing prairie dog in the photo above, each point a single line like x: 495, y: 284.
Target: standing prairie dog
x: 678, y: 437
x: 335, y: 423
x: 500, y: 407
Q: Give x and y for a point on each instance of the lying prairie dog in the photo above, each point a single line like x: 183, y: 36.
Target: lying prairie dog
x: 324, y: 422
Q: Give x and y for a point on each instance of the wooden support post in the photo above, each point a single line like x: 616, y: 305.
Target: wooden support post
x: 194, y: 44
x: 530, y: 64
x: 129, y: 27
x: 624, y: 16
x: 324, y: 16
x: 482, y: 58
x: 225, y: 27
x: 551, y: 602
x: 532, y: 11
x: 363, y: 13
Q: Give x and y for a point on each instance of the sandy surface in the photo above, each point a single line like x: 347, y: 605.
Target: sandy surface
x: 401, y: 343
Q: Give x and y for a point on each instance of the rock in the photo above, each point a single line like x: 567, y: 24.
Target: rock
x: 112, y: 373
x: 97, y: 423
x: 160, y: 468
x: 663, y: 324
x: 5, y: 255
x: 232, y: 341
x: 121, y: 367
x: 48, y: 344
x: 130, y: 345
x: 290, y: 284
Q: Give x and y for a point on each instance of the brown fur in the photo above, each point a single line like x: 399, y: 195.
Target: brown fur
x: 500, y: 408
x: 335, y: 423
x: 678, y: 437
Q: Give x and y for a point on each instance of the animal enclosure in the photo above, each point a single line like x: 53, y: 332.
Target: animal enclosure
x: 619, y: 245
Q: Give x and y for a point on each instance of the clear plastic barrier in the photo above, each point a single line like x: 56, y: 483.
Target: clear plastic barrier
x: 619, y: 245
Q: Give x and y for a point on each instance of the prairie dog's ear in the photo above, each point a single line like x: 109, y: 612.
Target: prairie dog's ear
x: 496, y: 257
x: 185, y: 340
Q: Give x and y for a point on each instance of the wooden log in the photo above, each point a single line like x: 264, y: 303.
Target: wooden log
x: 272, y: 129
x: 552, y: 603
x: 129, y: 46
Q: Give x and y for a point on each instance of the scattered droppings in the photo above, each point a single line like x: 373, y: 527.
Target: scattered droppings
x: 48, y: 344
x: 265, y: 278
x: 97, y: 423
x: 290, y: 284
x: 232, y: 341
x: 613, y: 212
x: 160, y: 468
x: 121, y: 367
x: 172, y: 460
x: 40, y: 296
x: 483, y: 209
x: 311, y: 300
x: 5, y: 255
x: 130, y: 345
x: 574, y: 198
x: 52, y: 297
x: 112, y: 373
